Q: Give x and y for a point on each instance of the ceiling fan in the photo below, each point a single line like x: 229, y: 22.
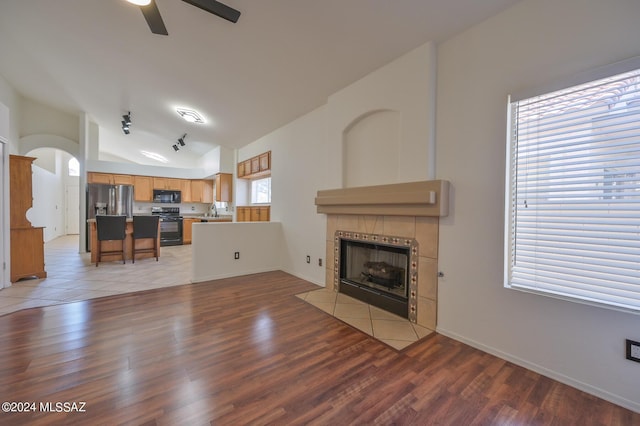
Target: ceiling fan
x: 156, y: 24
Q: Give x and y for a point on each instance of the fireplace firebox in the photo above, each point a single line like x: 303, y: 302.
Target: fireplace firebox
x: 376, y: 273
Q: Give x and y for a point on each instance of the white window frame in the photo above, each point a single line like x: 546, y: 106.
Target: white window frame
x: 552, y: 274
x: 253, y: 191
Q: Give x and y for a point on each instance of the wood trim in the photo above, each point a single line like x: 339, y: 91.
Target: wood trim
x: 425, y: 198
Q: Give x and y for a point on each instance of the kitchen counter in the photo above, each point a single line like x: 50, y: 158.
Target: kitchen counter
x: 221, y: 218
x: 115, y: 245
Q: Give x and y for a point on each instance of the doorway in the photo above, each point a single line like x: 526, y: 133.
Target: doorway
x: 3, y: 218
x: 56, y: 195
x: 73, y: 209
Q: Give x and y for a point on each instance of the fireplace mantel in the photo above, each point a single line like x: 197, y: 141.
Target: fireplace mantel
x: 418, y: 199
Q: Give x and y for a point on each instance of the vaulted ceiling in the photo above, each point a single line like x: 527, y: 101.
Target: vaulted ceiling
x: 282, y: 59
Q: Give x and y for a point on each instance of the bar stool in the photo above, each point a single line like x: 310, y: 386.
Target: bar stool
x: 110, y: 228
x: 145, y: 227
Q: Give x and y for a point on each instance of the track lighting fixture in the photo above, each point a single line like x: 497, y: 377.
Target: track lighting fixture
x: 126, y: 123
x: 175, y: 147
x: 181, y: 140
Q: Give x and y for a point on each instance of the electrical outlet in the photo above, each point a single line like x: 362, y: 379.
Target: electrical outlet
x: 308, y: 259
x: 633, y: 350
x: 236, y: 255
x: 320, y: 262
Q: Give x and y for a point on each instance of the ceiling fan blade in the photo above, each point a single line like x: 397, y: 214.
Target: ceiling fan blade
x: 217, y: 8
x: 152, y: 15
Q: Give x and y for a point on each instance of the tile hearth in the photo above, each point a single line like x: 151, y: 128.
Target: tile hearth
x: 390, y: 329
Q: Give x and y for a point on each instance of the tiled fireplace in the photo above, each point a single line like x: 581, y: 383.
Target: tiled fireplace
x: 397, y: 216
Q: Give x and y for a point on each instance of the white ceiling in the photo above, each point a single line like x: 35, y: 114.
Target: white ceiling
x: 281, y: 60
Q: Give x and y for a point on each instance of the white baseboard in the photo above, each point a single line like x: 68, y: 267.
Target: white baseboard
x: 600, y: 393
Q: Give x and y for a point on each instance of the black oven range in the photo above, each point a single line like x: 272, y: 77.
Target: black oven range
x: 170, y: 225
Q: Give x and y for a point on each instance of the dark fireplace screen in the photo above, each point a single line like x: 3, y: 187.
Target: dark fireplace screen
x: 376, y: 274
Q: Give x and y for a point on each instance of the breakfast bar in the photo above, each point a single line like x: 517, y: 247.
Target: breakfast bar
x: 114, y: 245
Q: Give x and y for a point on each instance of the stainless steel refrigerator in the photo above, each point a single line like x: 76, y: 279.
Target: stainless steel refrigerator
x: 108, y: 199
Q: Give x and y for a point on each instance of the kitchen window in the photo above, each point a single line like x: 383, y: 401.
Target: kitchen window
x: 261, y: 191
x: 573, y: 192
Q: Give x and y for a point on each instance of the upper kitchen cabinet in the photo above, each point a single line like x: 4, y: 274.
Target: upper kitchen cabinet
x: 167, y: 183
x: 255, y: 167
x: 265, y: 161
x: 109, y: 178
x: 223, y: 187
x: 143, y: 188
x: 185, y: 189
x: 202, y: 191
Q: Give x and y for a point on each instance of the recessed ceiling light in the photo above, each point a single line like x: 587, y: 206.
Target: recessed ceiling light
x: 190, y: 115
x: 155, y: 156
x: 140, y: 2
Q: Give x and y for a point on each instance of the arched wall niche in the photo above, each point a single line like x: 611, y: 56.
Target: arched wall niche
x: 371, y: 146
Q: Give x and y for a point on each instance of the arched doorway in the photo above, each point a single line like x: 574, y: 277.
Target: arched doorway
x: 56, y: 192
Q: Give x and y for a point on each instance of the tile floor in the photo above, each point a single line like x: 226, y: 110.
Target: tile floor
x: 71, y: 276
x: 391, y: 329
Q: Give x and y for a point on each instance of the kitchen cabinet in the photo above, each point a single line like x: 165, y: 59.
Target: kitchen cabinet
x: 143, y: 188
x: 255, y: 167
x: 202, y: 191
x: 241, y: 170
x: 253, y: 214
x: 122, y: 179
x: 265, y: 161
x: 243, y: 214
x: 223, y: 187
x: 109, y: 178
x: 167, y: 183
x: 26, y: 241
x: 185, y: 189
x: 187, y: 229
x: 260, y: 214
x: 99, y: 178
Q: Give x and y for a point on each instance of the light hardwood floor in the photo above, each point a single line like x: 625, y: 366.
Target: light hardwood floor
x: 246, y: 350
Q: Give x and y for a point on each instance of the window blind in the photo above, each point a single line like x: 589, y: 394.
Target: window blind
x: 573, y: 182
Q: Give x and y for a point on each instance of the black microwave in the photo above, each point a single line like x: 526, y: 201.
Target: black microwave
x: 166, y: 196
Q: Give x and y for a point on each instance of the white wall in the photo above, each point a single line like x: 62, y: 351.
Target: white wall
x: 11, y: 99
x: 38, y: 119
x: 306, y: 154
x: 406, y: 85
x: 214, y: 244
x: 528, y: 45
x: 9, y: 124
x: 48, y: 200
